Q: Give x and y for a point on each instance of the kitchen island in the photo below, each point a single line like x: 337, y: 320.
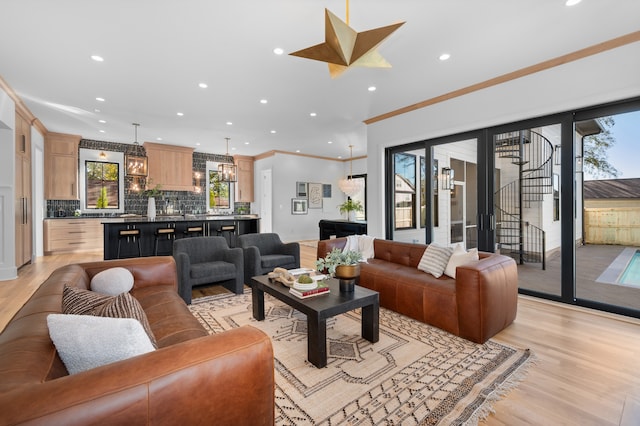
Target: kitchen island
x: 140, y: 236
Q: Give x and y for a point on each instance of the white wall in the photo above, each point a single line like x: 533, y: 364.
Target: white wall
x: 8, y: 268
x: 37, y: 191
x: 609, y: 76
x: 287, y: 169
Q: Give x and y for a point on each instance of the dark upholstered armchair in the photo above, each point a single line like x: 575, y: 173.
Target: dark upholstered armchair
x: 264, y: 252
x: 207, y: 260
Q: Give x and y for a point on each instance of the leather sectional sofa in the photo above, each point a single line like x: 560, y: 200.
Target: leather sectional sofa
x: 481, y: 301
x: 192, y: 378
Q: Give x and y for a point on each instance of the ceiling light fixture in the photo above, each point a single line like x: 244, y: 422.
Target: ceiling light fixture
x: 344, y: 47
x: 100, y: 99
x: 349, y: 185
x: 572, y: 2
x: 102, y: 155
x: 97, y: 58
x: 227, y: 170
x: 372, y: 88
x: 444, y: 56
x: 136, y: 158
x: 278, y: 51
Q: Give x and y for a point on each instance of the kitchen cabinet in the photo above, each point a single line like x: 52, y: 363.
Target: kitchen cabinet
x: 169, y: 166
x: 244, y: 185
x: 61, y: 166
x: 72, y: 235
x: 23, y: 218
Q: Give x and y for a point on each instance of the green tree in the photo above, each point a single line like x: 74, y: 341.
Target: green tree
x: 103, y: 201
x: 596, y: 158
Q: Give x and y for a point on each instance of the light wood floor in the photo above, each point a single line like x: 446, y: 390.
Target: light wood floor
x: 587, y: 362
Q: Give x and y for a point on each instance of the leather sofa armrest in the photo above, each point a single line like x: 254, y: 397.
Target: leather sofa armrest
x: 147, y: 271
x: 325, y: 246
x: 226, y: 378
x: 487, y: 296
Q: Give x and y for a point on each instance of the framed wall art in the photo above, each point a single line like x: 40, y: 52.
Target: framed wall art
x: 301, y: 189
x: 299, y: 206
x: 315, y: 195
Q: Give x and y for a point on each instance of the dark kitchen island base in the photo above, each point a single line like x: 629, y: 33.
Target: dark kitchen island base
x: 145, y: 245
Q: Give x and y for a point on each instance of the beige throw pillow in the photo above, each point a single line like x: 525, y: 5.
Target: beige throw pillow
x: 435, y: 259
x: 460, y: 257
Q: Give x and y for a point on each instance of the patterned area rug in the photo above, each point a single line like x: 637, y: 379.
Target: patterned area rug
x: 415, y: 374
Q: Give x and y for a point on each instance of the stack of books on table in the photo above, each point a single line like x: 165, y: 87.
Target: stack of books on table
x: 304, y: 294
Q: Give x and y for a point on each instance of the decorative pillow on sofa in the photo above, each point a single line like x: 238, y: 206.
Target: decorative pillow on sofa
x: 84, y: 342
x: 460, y: 257
x: 112, y: 281
x: 77, y: 301
x: 435, y: 259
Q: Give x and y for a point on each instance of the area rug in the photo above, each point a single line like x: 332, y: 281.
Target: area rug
x: 414, y: 375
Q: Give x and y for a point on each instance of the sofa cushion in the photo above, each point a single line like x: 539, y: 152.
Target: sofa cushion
x: 84, y: 342
x: 271, y: 261
x: 460, y: 257
x: 77, y: 301
x: 217, y: 270
x: 112, y: 281
x: 435, y: 259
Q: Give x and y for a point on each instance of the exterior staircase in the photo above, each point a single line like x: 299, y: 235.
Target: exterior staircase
x: 532, y: 153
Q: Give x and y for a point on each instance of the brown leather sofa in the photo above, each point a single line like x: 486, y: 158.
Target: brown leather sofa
x: 481, y: 301
x: 192, y: 378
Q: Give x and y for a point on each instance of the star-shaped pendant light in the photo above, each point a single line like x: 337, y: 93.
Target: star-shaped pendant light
x: 344, y: 47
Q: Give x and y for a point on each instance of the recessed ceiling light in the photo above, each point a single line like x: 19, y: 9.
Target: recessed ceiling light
x: 96, y: 110
x: 102, y: 121
x: 572, y: 2
x: 197, y: 143
x: 102, y: 131
x: 229, y: 123
x: 233, y: 148
x: 278, y: 51
x: 246, y: 143
x: 203, y: 85
x: 313, y: 114
x: 372, y: 88
x: 297, y: 150
x: 330, y: 142
x: 179, y: 114
x: 273, y: 131
x: 97, y: 58
x: 158, y: 139
x: 444, y: 56
x: 100, y: 99
x: 263, y: 101
x: 339, y: 157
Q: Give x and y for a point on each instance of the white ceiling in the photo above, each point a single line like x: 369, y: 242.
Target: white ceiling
x: 157, y: 51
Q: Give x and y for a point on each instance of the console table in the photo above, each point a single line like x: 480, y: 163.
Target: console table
x: 341, y: 228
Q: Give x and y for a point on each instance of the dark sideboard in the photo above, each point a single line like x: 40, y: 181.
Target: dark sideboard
x: 341, y: 228
x: 149, y: 229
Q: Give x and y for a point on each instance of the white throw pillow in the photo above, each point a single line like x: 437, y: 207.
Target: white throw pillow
x: 460, y: 257
x: 85, y: 342
x: 435, y: 259
x: 112, y: 281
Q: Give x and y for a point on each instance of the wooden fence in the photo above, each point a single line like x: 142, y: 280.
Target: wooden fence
x: 617, y: 225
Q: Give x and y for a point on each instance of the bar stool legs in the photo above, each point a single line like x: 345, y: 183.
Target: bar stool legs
x: 161, y: 234
x: 129, y: 234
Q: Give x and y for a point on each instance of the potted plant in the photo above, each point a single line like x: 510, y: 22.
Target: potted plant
x: 345, y: 265
x: 350, y: 207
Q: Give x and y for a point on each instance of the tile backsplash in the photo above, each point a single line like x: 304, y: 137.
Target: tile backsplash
x: 136, y: 202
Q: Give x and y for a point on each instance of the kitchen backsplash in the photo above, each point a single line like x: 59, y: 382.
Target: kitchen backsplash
x: 136, y: 202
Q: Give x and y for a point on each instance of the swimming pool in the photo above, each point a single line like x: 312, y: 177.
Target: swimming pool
x: 631, y: 274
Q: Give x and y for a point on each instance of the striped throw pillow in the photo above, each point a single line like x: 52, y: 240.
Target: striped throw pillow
x: 77, y: 301
x: 435, y: 259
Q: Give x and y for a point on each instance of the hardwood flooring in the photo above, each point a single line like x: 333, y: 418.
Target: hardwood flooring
x: 586, y: 362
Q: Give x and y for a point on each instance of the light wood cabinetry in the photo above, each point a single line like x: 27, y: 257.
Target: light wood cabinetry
x: 61, y: 166
x: 170, y: 166
x: 73, y: 235
x: 244, y: 186
x: 23, y: 218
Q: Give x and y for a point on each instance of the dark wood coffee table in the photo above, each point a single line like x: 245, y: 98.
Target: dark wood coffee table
x: 318, y: 309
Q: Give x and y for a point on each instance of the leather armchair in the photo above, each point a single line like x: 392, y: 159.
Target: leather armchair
x: 207, y: 260
x: 264, y: 252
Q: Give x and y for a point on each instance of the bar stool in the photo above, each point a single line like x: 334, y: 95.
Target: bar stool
x: 228, y: 231
x: 194, y: 231
x: 163, y: 234
x: 129, y: 235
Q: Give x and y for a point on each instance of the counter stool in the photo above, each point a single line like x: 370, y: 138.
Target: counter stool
x: 164, y: 234
x: 129, y: 235
x: 194, y: 231
x: 227, y: 231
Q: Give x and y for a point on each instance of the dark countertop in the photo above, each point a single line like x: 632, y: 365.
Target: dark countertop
x: 175, y: 218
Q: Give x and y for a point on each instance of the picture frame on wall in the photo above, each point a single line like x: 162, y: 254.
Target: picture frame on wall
x: 315, y: 195
x: 326, y: 190
x: 301, y: 189
x: 299, y: 206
